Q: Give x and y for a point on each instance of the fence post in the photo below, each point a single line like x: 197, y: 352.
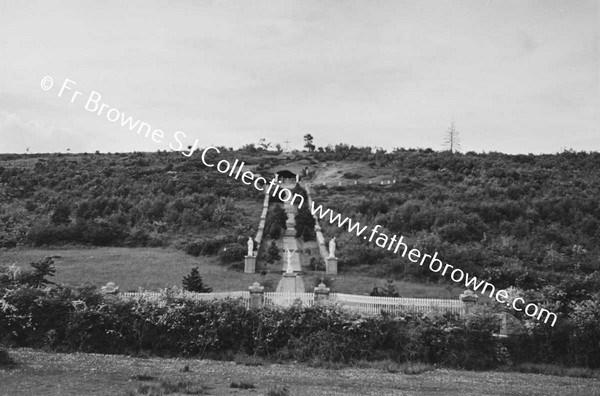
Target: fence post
x: 469, y: 300
x: 322, y: 292
x: 257, y: 295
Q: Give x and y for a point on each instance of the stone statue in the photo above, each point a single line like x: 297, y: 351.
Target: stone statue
x: 289, y: 268
x: 250, y: 246
x: 332, y: 248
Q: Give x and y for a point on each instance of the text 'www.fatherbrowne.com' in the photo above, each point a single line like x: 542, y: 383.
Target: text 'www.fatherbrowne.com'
x: 396, y: 244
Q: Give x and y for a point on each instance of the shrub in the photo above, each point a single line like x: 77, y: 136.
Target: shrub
x: 305, y: 222
x: 242, y: 385
x: 351, y: 175
x: 585, y: 340
x: 194, y: 248
x: 278, y: 391
x: 388, y: 290
x: 233, y: 252
x: 81, y: 319
x: 415, y: 368
x: 167, y: 387
x: 273, y: 254
x: 209, y: 247
x: 275, y: 232
x: 193, y: 282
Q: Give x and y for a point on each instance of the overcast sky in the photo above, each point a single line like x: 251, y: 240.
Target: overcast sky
x: 516, y: 76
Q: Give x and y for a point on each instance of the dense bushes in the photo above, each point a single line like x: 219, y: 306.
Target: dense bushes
x: 209, y: 246
x: 81, y: 319
x: 232, y: 253
x: 95, y: 232
x: 139, y: 199
x: 63, y: 320
x: 522, y: 221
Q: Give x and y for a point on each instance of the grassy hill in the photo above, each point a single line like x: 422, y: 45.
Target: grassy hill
x: 518, y: 220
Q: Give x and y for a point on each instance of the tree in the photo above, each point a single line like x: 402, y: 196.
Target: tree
x: 193, y: 282
x: 250, y: 147
x: 276, y: 222
x: 279, y: 216
x: 305, y: 224
x: 263, y: 144
x: 275, y: 232
x: 308, y: 142
x: 388, y: 290
x: 38, y: 277
x: 273, y: 254
x: 451, y: 140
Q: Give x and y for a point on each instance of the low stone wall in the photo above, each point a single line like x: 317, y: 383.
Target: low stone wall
x: 320, y: 238
x: 261, y: 224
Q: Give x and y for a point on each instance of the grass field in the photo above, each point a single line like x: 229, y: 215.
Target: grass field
x: 42, y: 373
x: 156, y: 268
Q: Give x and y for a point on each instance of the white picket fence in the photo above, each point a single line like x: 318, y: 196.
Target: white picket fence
x: 369, y: 305
x: 365, y: 305
x: 287, y: 299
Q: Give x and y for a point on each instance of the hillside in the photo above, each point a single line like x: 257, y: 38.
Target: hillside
x: 519, y: 220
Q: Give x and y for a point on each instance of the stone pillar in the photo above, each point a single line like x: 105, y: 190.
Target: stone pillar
x: 510, y: 325
x: 470, y: 300
x: 257, y: 295
x: 249, y: 264
x: 331, y: 266
x: 321, y: 292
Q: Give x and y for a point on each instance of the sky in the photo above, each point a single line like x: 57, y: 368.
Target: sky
x: 515, y: 76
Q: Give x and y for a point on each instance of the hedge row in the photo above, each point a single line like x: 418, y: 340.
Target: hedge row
x: 66, y: 319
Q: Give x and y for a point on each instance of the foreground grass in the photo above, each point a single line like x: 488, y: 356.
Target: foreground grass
x: 156, y: 268
x: 43, y: 373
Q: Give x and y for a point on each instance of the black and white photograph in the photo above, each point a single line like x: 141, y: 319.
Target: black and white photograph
x: 300, y: 197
